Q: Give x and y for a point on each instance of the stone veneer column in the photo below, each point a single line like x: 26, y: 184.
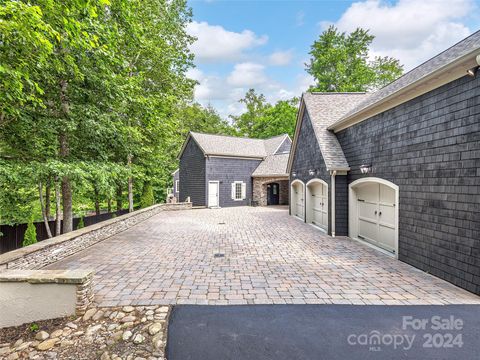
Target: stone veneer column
x: 260, y: 189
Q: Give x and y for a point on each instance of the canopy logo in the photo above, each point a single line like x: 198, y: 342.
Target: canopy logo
x: 376, y: 340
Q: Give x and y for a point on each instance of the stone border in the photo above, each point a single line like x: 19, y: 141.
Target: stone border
x: 83, y: 297
x: 49, y: 251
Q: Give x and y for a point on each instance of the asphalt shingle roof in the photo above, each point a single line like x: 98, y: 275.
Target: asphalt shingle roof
x: 273, y: 165
x: 237, y: 146
x: 446, y: 57
x: 323, y: 110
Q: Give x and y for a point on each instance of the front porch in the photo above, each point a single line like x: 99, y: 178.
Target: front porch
x: 271, y: 190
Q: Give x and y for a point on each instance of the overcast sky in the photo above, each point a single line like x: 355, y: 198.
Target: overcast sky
x: 264, y: 44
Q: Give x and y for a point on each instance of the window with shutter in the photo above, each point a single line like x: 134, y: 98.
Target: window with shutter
x: 238, y: 190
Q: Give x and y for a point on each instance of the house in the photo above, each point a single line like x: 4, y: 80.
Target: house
x: 221, y: 171
x: 399, y: 169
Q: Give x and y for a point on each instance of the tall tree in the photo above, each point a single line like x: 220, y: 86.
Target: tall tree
x: 340, y: 62
x: 256, y: 106
x: 262, y: 119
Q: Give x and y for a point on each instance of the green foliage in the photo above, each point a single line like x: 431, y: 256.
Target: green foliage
x: 339, y: 62
x: 34, y: 327
x: 263, y: 120
x: 30, y: 236
x: 80, y: 224
x: 108, y: 78
x: 147, y: 198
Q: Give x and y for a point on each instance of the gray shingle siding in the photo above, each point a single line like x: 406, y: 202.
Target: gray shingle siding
x: 430, y: 148
x: 192, y: 174
x: 227, y: 171
x: 285, y: 147
x: 308, y: 156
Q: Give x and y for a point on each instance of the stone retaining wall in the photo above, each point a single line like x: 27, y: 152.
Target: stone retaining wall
x: 49, y: 251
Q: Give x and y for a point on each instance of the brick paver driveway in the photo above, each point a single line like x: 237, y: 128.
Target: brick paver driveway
x: 269, y: 258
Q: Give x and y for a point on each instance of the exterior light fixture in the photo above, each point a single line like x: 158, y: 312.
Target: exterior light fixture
x: 472, y: 72
x: 294, y: 174
x: 366, y: 168
x: 311, y: 172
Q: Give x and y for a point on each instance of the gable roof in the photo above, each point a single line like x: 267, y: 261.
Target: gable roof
x: 445, y: 67
x: 323, y: 109
x: 272, y: 165
x: 223, y: 145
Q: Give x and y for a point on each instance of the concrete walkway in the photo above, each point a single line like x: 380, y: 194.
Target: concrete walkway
x: 250, y: 255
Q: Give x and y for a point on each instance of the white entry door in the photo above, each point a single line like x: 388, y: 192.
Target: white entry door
x: 213, y: 193
x: 319, y: 203
x: 376, y: 215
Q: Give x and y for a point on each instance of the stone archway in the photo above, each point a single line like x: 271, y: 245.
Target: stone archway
x: 260, y: 189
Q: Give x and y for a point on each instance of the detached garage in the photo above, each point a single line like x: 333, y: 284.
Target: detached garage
x: 399, y: 169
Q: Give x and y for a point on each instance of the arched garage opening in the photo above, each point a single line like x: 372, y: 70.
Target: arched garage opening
x: 317, y: 203
x: 373, y: 213
x: 297, y: 203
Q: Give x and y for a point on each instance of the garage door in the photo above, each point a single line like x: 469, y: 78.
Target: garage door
x: 298, y: 201
x: 317, y: 204
x: 376, y: 215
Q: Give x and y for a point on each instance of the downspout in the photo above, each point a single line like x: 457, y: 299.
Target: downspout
x: 333, y: 173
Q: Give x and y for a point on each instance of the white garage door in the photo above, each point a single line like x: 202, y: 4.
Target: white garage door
x: 376, y: 215
x: 298, y: 201
x: 317, y: 205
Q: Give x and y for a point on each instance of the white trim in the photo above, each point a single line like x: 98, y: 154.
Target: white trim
x: 285, y: 136
x: 307, y: 201
x: 175, y: 172
x: 446, y: 74
x: 218, y: 194
x: 352, y: 208
x: 177, y: 182
x: 297, y: 181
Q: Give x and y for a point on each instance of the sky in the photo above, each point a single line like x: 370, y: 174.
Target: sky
x: 265, y: 44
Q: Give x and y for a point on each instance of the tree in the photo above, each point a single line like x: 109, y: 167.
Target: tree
x: 256, y: 106
x: 277, y: 119
x: 88, y: 96
x: 340, y: 63
x: 147, y: 195
x: 263, y: 120
x: 30, y: 236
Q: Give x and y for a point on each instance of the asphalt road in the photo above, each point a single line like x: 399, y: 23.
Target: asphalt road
x: 281, y: 332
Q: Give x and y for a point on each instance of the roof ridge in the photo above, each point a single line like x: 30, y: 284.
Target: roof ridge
x: 336, y: 93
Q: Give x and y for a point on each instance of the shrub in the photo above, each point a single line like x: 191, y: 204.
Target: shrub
x: 81, y: 224
x: 147, y: 198
x: 30, y: 236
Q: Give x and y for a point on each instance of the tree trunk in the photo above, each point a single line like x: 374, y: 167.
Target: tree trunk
x: 57, y: 208
x: 130, y: 185
x: 119, y: 199
x: 109, y: 204
x: 48, y: 188
x: 97, y: 200
x: 42, y: 207
x: 64, y: 153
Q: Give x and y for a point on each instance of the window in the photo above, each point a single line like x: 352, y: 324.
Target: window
x: 177, y: 188
x: 239, y: 189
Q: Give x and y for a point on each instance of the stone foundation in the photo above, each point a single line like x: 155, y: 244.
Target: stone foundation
x: 260, y: 190
x: 49, y: 251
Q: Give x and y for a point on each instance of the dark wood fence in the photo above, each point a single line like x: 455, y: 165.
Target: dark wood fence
x: 13, y: 235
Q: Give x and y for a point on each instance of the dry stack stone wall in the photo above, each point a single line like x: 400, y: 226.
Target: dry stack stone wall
x: 49, y: 251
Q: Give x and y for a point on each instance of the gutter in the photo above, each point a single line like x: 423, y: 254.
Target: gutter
x: 332, y: 185
x: 428, y: 82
